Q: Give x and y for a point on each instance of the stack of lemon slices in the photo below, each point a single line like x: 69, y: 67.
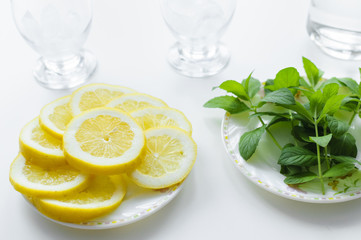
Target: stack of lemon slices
x: 74, y: 155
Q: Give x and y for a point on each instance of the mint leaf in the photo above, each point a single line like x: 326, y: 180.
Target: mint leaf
x: 312, y: 72
x: 300, y: 178
x: 268, y: 86
x: 297, y: 156
x: 337, y: 127
x: 277, y: 119
x: 300, y: 109
x: 316, y: 103
x: 344, y: 145
x: 350, y: 103
x: 236, y: 88
x: 345, y: 159
x: 329, y: 81
x: 302, y: 134
x: 229, y: 103
x: 288, y: 77
x: 290, y: 170
x: 330, y: 90
x: 339, y: 170
x: 245, y: 82
x: 252, y: 86
x: 350, y: 84
x: 260, y: 114
x: 305, y: 84
x: 323, y: 140
x: 280, y: 96
x: 359, y: 86
x: 249, y: 141
x: 332, y: 105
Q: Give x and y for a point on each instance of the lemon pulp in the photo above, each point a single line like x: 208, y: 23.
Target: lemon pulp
x: 105, y: 136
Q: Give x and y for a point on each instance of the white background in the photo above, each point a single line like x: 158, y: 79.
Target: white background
x: 131, y: 41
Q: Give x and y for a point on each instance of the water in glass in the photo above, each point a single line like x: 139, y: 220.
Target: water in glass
x: 335, y: 26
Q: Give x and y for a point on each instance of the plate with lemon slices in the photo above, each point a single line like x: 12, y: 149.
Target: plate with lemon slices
x: 103, y: 157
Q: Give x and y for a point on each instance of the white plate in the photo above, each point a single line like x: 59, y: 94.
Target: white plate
x: 263, y: 170
x: 138, y: 203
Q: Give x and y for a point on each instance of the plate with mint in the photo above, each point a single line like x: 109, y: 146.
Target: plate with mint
x: 295, y: 136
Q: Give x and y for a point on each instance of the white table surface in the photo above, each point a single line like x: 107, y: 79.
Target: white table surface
x: 131, y: 41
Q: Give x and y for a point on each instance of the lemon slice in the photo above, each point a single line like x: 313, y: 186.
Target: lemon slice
x: 95, y: 95
x: 55, y: 116
x: 168, y: 158
x: 34, y: 180
x: 152, y: 117
x: 40, y: 147
x: 103, y: 195
x: 135, y: 101
x: 103, y: 141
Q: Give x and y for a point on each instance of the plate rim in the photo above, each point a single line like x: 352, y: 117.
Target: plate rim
x: 240, y: 164
x: 98, y: 224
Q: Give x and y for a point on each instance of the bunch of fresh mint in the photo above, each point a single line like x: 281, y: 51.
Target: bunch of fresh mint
x: 322, y: 147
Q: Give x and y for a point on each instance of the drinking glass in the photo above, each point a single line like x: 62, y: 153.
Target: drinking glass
x: 57, y: 30
x: 198, y: 25
x: 335, y: 26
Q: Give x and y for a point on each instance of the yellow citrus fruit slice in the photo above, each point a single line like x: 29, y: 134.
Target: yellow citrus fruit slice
x: 168, y: 158
x: 34, y: 180
x: 103, y: 195
x: 103, y: 141
x: 152, y: 117
x: 55, y: 116
x: 135, y: 101
x: 40, y: 147
x: 95, y: 95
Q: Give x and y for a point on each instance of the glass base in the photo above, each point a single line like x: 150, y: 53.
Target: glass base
x: 65, y: 74
x: 338, y: 43
x: 207, y: 62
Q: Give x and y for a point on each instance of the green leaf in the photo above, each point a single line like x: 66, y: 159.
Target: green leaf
x: 290, y: 170
x: 229, y: 103
x: 323, y: 140
x: 280, y: 96
x: 236, y: 88
x: 330, y: 90
x: 277, y: 119
x: 345, y: 159
x: 339, y: 170
x: 350, y: 103
x: 300, y: 109
x: 269, y: 84
x: 288, y: 77
x: 300, y: 178
x: 297, y: 156
x: 260, y: 114
x: 245, y: 82
x: 332, y: 105
x: 305, y: 84
x: 329, y: 81
x: 344, y: 145
x: 316, y: 103
x: 302, y: 134
x: 249, y: 142
x: 252, y: 86
x: 359, y: 86
x: 312, y: 72
x: 350, y: 84
x: 337, y: 127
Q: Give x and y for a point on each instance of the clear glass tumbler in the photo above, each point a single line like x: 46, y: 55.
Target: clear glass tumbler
x: 335, y: 26
x: 57, y: 30
x: 198, y: 25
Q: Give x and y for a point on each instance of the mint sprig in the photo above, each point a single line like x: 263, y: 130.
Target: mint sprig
x: 321, y: 140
